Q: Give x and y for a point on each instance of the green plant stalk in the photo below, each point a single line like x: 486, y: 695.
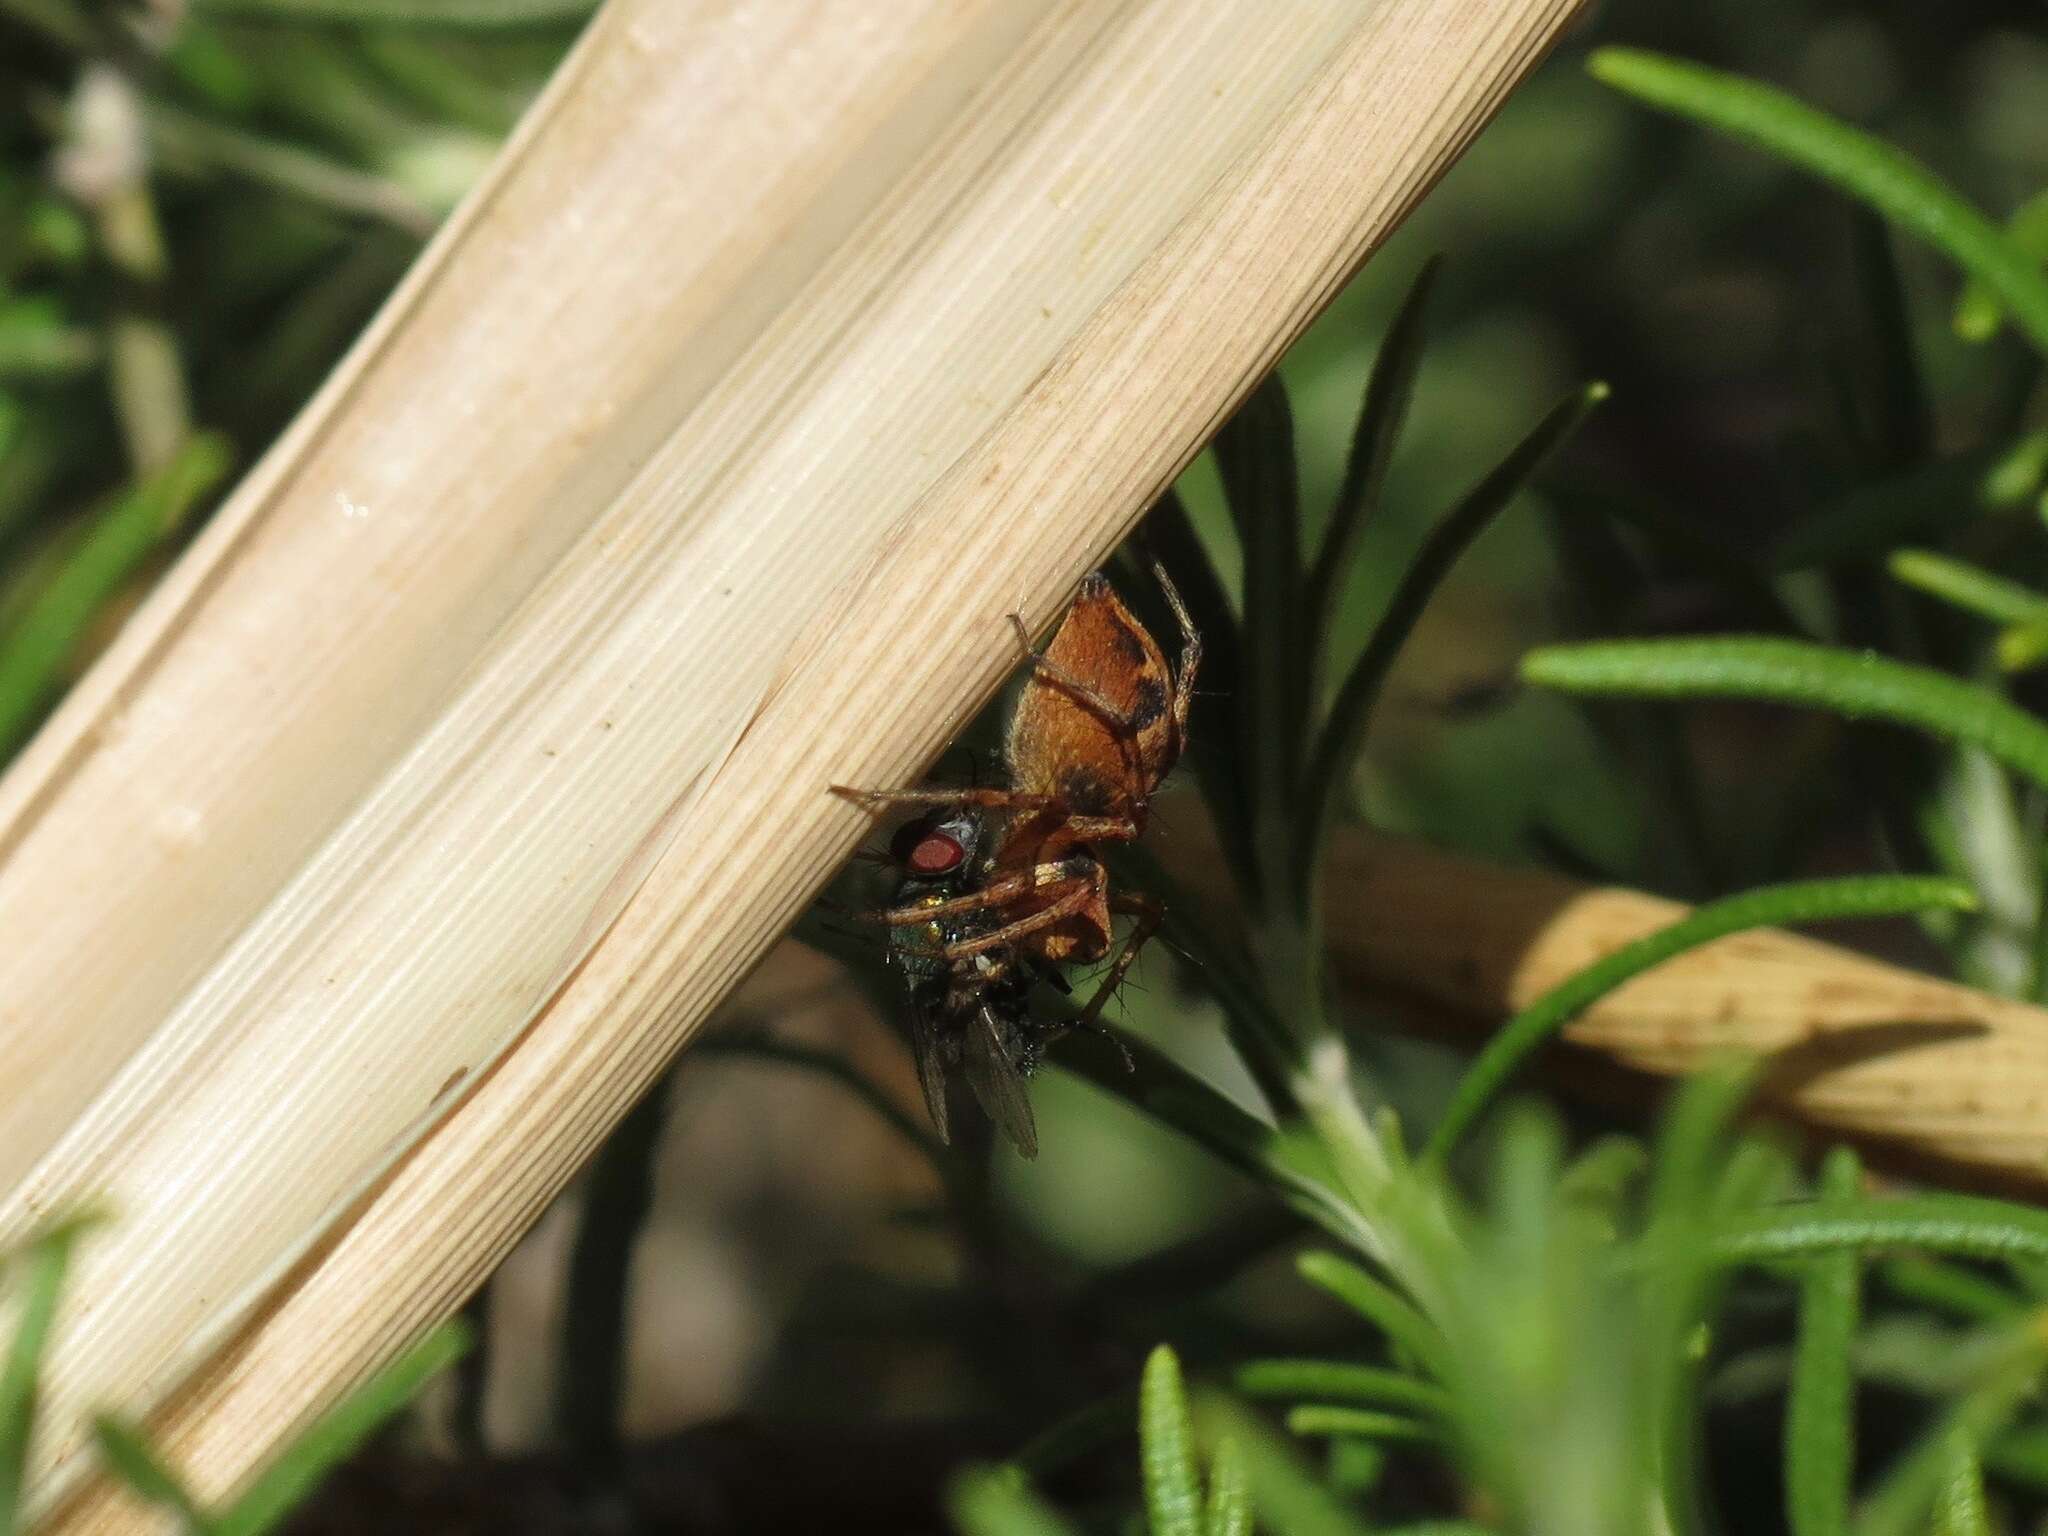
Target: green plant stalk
x: 1867, y: 168
x: 1860, y: 686
x: 1691, y: 1180
x: 1820, y: 1412
x: 1798, y: 902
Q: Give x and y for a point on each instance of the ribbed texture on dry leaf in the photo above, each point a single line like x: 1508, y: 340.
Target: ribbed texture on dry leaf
x: 482, y: 742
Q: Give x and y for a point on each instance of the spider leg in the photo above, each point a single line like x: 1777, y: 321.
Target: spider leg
x: 994, y: 894
x: 1149, y: 914
x: 1190, y: 657
x: 1065, y: 905
x: 991, y: 799
x: 1102, y: 829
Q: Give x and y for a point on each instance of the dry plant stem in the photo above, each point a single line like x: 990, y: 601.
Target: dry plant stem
x: 1940, y: 1075
x: 481, y: 745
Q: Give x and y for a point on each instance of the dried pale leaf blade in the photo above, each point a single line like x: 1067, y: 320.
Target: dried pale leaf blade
x: 808, y: 548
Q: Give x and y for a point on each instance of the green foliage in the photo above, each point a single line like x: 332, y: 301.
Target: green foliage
x: 1543, y: 1332
x: 276, y: 1491
x: 1549, y: 1344
x: 1878, y: 174
x: 47, y: 1260
x: 1858, y: 686
x: 298, y: 1469
x: 1819, y: 1415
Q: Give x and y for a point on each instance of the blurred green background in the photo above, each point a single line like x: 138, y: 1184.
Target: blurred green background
x: 203, y: 201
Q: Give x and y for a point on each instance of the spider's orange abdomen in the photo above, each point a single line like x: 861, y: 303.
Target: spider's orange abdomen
x: 1093, y: 725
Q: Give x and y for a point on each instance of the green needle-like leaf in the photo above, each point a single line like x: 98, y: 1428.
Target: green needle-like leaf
x: 1285, y: 1496
x: 1351, y: 713
x: 1979, y: 315
x: 1388, y: 392
x: 472, y: 14
x: 1968, y: 587
x: 1920, y: 1487
x: 1166, y: 1449
x: 1229, y: 1510
x: 120, y: 537
x: 1255, y: 458
x: 1340, y: 1381
x: 1798, y: 902
x: 998, y: 1501
x: 1959, y: 1507
x: 1214, y: 751
x: 1358, y: 1423
x: 135, y: 1464
x: 1866, y: 168
x: 1950, y: 1288
x: 1820, y: 1445
x: 1859, y: 685
x: 1871, y: 519
x: 1959, y: 1224
x: 46, y: 1261
x: 336, y: 1434
x: 2022, y: 647
x: 1905, y: 422
x: 1379, y: 1305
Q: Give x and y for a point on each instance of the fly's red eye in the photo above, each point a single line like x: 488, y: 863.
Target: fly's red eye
x: 935, y: 854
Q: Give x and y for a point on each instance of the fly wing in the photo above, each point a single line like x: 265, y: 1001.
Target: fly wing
x: 997, y: 1079
x: 926, y: 1045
